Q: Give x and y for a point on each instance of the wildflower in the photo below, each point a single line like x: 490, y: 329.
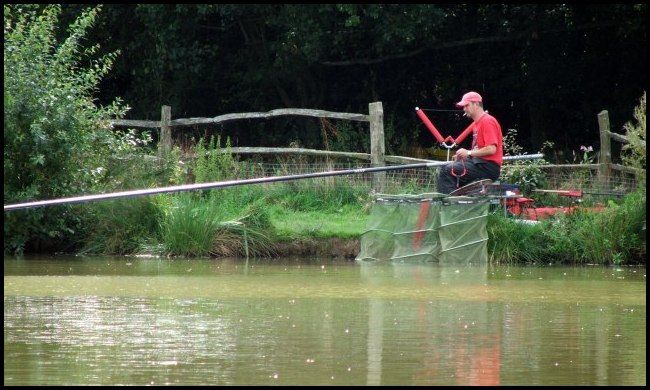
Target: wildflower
x: 586, y: 148
x: 586, y: 158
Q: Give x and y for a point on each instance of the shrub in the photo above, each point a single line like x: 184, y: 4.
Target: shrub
x: 634, y: 152
x: 526, y: 173
x: 56, y: 140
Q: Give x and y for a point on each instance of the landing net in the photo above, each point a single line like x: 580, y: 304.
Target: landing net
x: 429, y: 227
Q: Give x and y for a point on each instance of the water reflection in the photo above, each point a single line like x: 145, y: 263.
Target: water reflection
x: 155, y: 321
x: 445, y: 342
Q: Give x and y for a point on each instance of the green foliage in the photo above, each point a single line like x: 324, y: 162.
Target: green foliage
x: 56, y: 140
x: 526, y: 173
x: 613, y: 236
x: 213, y: 164
x: 634, y: 152
x: 121, y: 226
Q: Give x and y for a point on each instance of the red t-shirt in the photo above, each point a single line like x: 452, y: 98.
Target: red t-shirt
x: 487, y: 131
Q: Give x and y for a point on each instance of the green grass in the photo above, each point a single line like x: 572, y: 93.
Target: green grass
x: 346, y: 222
x: 512, y: 242
x: 613, y: 236
x: 248, y: 220
x: 212, y: 225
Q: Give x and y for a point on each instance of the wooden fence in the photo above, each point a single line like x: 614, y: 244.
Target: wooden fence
x: 375, y: 118
x: 377, y: 156
x: 604, y: 168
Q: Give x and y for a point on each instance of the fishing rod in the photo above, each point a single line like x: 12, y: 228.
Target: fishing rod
x: 232, y: 183
x: 213, y: 185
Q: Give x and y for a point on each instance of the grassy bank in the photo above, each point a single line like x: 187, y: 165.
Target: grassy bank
x: 614, y: 236
x: 267, y: 220
x: 239, y: 221
x: 315, y: 216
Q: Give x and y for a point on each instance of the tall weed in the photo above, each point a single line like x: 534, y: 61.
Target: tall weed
x: 512, y: 242
x: 121, y: 226
x: 634, y: 152
x: 207, y: 226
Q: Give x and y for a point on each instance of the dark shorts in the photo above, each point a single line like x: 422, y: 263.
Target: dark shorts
x: 459, y: 173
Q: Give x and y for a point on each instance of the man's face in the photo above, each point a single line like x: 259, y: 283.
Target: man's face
x: 469, y: 108
x: 472, y: 109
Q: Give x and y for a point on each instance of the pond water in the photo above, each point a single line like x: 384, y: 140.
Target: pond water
x: 150, y: 321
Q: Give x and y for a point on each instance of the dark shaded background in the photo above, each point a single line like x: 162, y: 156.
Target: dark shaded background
x: 546, y: 70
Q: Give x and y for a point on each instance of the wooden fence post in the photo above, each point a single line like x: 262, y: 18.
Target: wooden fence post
x: 605, y: 157
x: 165, y: 143
x: 377, y: 146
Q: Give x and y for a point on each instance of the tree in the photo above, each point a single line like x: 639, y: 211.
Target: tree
x: 56, y: 139
x: 545, y: 69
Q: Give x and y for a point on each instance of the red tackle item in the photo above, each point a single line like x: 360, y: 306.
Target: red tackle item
x: 465, y: 133
x: 429, y: 125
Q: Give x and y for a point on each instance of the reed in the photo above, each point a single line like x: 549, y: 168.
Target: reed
x: 215, y: 225
x: 120, y: 227
x: 511, y: 242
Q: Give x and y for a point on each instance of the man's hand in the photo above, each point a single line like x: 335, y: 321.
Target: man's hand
x: 461, y: 154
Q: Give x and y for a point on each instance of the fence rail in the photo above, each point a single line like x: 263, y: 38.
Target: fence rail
x: 377, y: 156
x: 375, y: 118
x: 245, y: 115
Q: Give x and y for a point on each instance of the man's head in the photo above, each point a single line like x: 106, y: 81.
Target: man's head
x: 472, y: 104
x: 470, y: 97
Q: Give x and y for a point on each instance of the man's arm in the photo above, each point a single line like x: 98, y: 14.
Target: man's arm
x: 484, y: 151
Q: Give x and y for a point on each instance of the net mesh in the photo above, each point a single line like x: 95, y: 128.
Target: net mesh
x: 426, y: 228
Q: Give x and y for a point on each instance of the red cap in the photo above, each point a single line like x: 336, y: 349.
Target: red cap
x: 469, y: 97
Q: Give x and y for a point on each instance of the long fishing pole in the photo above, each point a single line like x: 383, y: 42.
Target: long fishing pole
x: 213, y: 185
x: 231, y: 183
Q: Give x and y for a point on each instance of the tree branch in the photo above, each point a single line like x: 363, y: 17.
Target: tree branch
x: 466, y: 42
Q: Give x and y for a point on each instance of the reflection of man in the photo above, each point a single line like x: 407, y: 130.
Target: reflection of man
x: 483, y: 160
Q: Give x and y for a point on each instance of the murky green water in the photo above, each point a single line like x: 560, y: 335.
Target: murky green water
x: 129, y: 321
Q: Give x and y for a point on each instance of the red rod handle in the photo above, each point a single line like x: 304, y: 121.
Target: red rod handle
x: 465, y: 133
x: 429, y: 125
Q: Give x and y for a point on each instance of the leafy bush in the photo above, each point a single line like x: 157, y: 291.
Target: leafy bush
x: 526, y: 173
x: 634, y: 152
x: 56, y: 140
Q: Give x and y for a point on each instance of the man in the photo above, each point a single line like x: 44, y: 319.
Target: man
x: 483, y: 160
